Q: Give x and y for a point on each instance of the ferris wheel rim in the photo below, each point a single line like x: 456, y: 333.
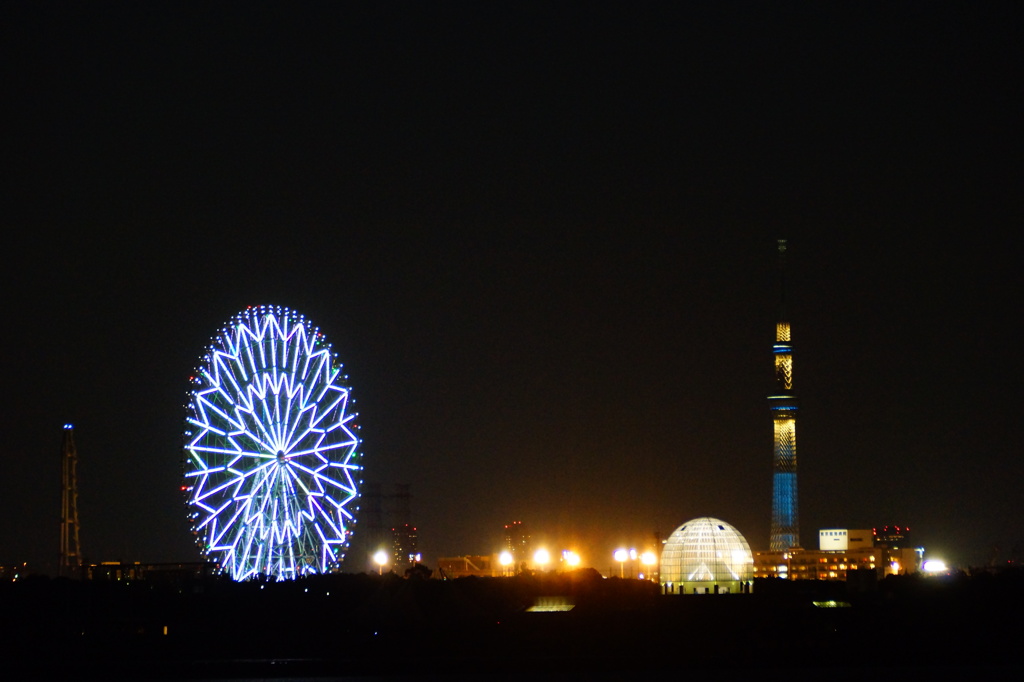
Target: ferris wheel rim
x: 271, y: 448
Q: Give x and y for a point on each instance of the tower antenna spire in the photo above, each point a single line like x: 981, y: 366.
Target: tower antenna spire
x: 785, y: 526
x: 783, y: 313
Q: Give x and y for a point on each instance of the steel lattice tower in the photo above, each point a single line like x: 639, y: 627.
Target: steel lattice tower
x: 785, y: 531
x: 70, y: 563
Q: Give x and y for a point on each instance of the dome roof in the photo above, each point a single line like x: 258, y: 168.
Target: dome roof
x: 706, y: 550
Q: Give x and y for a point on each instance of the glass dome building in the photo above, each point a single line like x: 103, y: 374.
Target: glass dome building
x: 706, y: 555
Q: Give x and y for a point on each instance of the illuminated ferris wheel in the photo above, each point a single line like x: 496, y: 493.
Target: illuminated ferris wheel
x: 271, y: 451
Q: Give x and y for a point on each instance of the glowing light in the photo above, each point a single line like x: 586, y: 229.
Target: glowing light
x: 935, y: 566
x: 505, y: 558
x: 271, y: 449
x: 571, y: 558
x: 648, y: 558
x: 622, y: 556
x: 550, y: 604
x: 381, y: 559
x: 541, y: 557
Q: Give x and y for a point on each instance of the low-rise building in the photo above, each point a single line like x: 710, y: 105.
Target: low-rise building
x: 840, y: 551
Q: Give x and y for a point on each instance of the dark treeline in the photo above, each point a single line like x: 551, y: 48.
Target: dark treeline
x: 370, y: 625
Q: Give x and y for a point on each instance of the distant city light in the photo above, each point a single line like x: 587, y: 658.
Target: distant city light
x: 541, y: 557
x: 935, y: 566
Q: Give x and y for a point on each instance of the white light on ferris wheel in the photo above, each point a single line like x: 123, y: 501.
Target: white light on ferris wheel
x: 271, y: 456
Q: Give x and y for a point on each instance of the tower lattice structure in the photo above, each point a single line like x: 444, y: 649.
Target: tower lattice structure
x: 70, y: 562
x: 785, y: 528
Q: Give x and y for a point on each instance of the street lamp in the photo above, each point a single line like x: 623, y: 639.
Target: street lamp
x: 572, y: 559
x: 648, y: 559
x: 381, y: 558
x: 622, y: 556
x: 506, y: 559
x: 541, y: 557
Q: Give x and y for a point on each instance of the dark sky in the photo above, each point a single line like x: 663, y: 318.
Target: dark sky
x: 542, y: 240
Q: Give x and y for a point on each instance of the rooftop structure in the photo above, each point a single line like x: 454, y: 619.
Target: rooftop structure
x: 892, y: 536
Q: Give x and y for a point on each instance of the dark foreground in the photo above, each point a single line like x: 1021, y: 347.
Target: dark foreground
x: 354, y: 626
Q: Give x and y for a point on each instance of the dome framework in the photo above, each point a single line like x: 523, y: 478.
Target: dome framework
x: 706, y: 555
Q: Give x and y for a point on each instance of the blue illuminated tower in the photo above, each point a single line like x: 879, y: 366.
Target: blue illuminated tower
x: 785, y: 532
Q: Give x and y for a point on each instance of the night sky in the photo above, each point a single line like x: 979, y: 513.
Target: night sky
x: 542, y: 240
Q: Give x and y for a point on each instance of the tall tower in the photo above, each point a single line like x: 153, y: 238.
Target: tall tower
x: 404, y: 550
x: 785, y: 532
x: 70, y: 562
